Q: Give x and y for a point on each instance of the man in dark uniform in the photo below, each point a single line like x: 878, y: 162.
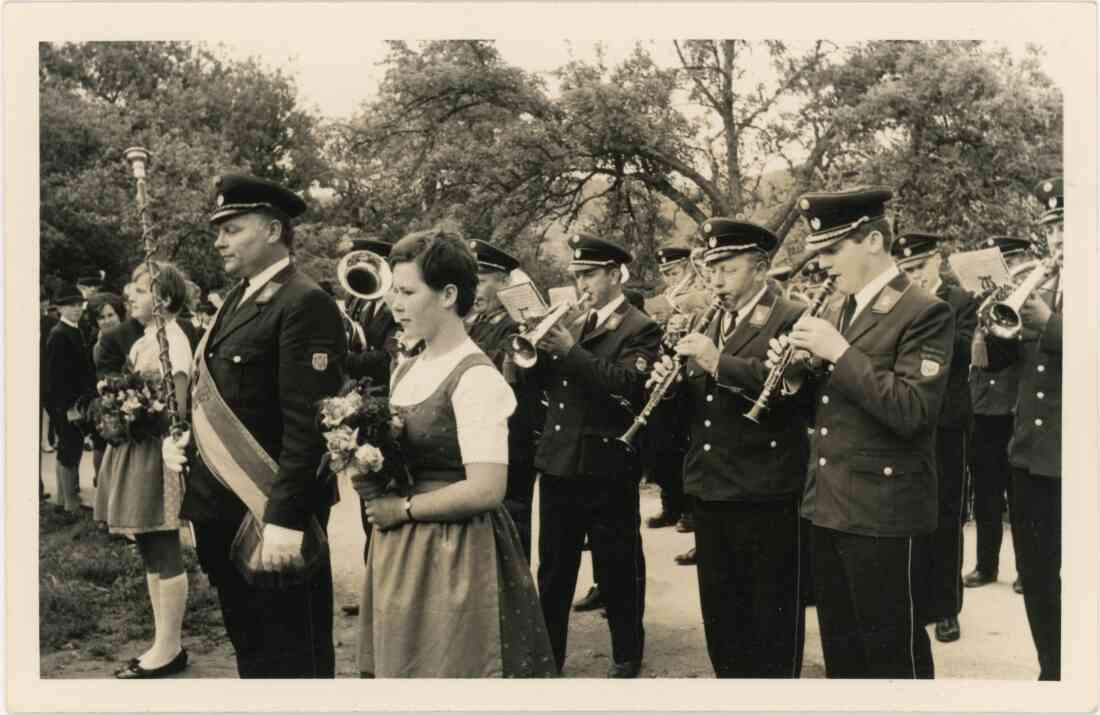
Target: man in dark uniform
x: 871, y: 487
x: 941, y: 552
x: 746, y: 477
x: 1035, y: 451
x: 594, y: 370
x: 492, y: 330
x: 993, y: 395
x: 88, y: 283
x: 275, y: 350
x: 69, y: 378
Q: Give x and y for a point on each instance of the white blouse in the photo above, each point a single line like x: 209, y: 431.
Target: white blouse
x: 145, y: 353
x: 482, y: 402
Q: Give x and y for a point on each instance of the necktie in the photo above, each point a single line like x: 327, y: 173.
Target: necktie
x: 589, y: 325
x: 847, y: 313
x: 729, y: 324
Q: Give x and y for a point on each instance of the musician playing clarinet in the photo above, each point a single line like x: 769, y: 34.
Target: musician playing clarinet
x: 744, y: 477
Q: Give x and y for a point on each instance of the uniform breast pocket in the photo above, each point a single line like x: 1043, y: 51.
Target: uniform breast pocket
x: 889, y: 486
x: 251, y: 379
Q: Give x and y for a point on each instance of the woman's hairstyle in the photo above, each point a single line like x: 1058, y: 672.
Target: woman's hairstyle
x: 443, y: 258
x: 97, y: 301
x: 171, y: 286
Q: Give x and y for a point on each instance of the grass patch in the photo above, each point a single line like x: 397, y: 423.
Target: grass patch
x: 92, y: 592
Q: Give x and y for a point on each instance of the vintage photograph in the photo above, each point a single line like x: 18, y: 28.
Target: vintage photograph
x: 627, y: 357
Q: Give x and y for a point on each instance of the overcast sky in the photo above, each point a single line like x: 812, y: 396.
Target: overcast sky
x: 336, y: 73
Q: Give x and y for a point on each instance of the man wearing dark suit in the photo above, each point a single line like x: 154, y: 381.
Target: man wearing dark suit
x: 941, y: 552
x: 871, y: 488
x: 594, y: 370
x: 745, y: 477
x: 89, y: 283
x: 492, y: 331
x: 993, y: 395
x: 276, y: 349
x: 1035, y: 451
x: 114, y: 347
x: 69, y: 377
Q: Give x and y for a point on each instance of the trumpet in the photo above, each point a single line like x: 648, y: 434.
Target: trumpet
x: 658, y: 392
x: 999, y: 314
x: 776, y: 374
x: 525, y: 345
x: 364, y: 274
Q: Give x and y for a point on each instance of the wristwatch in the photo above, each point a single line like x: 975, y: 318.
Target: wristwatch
x: 408, y: 509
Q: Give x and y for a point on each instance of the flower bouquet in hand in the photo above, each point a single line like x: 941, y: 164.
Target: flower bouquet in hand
x: 128, y: 408
x: 361, y: 438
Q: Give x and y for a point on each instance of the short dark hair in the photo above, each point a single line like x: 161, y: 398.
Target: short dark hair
x: 879, y: 224
x: 444, y: 258
x: 170, y: 284
x: 97, y: 301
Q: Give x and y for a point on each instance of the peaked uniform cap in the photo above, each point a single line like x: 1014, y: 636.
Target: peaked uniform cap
x: 240, y: 194
x: 380, y: 248
x: 1007, y: 244
x: 491, y: 258
x: 914, y: 246
x: 1050, y: 194
x: 725, y: 237
x: 588, y: 250
x: 832, y: 215
x: 671, y: 256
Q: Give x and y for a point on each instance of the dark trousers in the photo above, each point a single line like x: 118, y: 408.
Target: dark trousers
x: 865, y: 607
x: 992, y: 475
x: 668, y: 473
x: 1038, y: 523
x: 70, y: 442
x: 749, y: 587
x: 940, y: 553
x: 518, y: 498
x: 606, y: 508
x: 276, y: 633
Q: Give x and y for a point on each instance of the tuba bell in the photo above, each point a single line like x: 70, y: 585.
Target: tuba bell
x: 364, y: 274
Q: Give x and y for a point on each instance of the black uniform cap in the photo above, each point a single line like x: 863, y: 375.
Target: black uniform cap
x: 914, y: 246
x: 1051, y: 196
x: 379, y: 248
x: 671, y: 256
x: 591, y: 251
x: 239, y: 194
x: 1007, y: 244
x: 725, y: 237
x: 491, y: 258
x: 832, y: 215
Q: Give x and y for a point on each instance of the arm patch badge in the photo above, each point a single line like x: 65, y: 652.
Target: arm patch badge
x: 320, y: 362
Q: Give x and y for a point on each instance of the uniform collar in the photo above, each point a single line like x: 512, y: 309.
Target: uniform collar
x: 66, y: 322
x: 605, y: 312
x: 261, y: 279
x: 869, y: 291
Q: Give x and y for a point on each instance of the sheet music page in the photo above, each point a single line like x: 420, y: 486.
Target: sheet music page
x: 522, y: 302
x: 975, y: 268
x: 563, y: 293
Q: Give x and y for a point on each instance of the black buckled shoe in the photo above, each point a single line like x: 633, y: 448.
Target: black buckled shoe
x: 629, y: 669
x: 134, y: 671
x: 591, y: 600
x: 687, y: 558
x: 351, y: 609
x: 1018, y: 586
x: 661, y: 520
x: 686, y: 525
x: 977, y: 578
x: 947, y: 630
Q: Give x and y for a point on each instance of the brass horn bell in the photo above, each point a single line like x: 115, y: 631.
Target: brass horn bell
x: 364, y: 274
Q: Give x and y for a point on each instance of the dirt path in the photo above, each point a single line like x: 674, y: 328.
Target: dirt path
x: 996, y: 642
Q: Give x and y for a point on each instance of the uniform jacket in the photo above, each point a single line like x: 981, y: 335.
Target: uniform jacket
x: 379, y: 329
x: 68, y: 368
x: 732, y: 458
x: 273, y: 358
x: 587, y: 389
x: 1036, y: 443
x: 872, y: 467
x: 994, y: 392
x: 957, y: 411
x: 113, y: 348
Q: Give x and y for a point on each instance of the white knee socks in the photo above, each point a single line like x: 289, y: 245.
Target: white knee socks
x: 169, y: 621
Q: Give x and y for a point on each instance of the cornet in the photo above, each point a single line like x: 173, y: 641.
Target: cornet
x: 999, y: 315
x: 364, y: 274
x: 525, y: 345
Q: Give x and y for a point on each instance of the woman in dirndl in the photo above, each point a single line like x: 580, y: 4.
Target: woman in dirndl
x: 448, y: 592
x: 144, y: 498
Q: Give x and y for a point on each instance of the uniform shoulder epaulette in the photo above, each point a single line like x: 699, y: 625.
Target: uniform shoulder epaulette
x: 886, y: 300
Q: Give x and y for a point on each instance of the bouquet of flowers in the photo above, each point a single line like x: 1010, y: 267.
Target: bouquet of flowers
x: 360, y: 434
x: 128, y: 408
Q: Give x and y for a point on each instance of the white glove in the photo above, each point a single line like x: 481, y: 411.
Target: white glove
x: 282, y: 548
x: 172, y: 451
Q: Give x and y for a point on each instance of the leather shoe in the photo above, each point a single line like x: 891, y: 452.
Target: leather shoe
x: 661, y: 520
x: 1018, y: 585
x: 352, y: 609
x: 686, y: 525
x: 591, y: 601
x: 977, y: 578
x: 947, y: 630
x: 686, y: 559
x: 134, y: 671
x: 629, y: 669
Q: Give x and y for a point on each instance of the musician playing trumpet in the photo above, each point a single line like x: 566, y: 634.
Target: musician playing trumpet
x: 593, y: 368
x: 745, y: 478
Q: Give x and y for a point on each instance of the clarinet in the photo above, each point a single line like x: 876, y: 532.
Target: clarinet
x: 658, y: 392
x: 787, y: 355
x: 138, y: 157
